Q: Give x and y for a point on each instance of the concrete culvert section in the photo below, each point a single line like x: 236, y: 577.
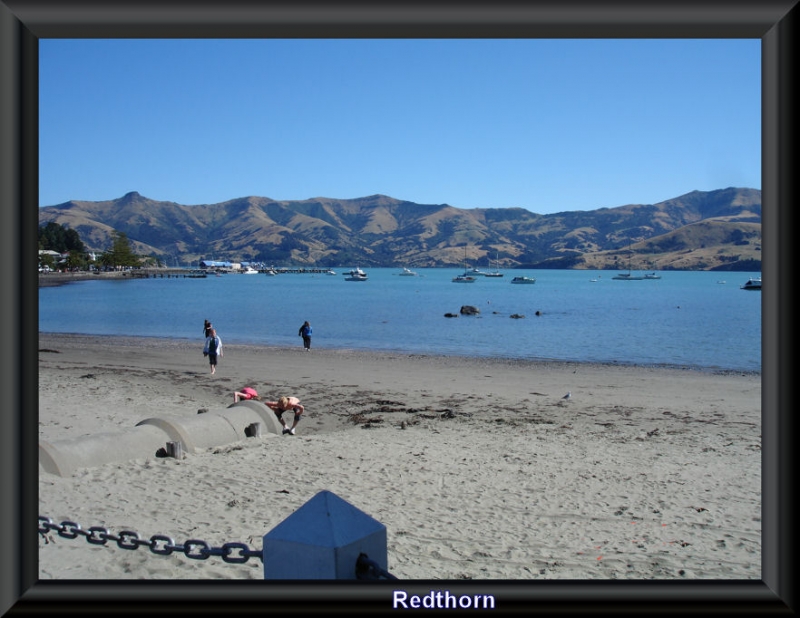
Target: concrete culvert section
x: 239, y: 421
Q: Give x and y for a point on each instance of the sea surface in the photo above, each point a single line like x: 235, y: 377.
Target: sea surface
x: 691, y: 319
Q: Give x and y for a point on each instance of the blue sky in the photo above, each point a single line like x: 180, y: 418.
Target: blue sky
x: 546, y: 125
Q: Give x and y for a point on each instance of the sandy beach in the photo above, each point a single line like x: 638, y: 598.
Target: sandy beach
x: 478, y: 468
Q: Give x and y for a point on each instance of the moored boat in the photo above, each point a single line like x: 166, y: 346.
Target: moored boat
x: 355, y: 275
x: 527, y: 280
x: 627, y: 277
x: 753, y: 283
x: 468, y: 276
x: 496, y: 272
x: 355, y: 272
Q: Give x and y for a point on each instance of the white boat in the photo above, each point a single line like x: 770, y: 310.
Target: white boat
x: 496, y: 272
x: 249, y: 270
x: 355, y: 275
x: 331, y: 272
x: 523, y: 280
x: 476, y: 272
x: 753, y: 283
x: 407, y: 273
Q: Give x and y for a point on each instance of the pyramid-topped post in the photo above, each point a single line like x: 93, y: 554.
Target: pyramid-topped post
x: 323, y: 540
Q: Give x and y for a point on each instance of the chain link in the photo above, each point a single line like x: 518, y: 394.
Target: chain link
x: 232, y: 553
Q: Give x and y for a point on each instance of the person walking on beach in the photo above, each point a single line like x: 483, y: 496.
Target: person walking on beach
x: 207, y: 329
x: 305, y: 333
x: 282, y: 405
x: 213, y: 349
x: 246, y: 393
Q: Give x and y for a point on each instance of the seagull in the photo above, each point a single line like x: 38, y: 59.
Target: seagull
x: 567, y: 396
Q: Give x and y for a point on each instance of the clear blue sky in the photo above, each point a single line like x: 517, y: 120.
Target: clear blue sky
x: 546, y: 125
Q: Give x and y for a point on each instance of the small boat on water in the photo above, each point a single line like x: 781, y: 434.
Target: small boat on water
x: 468, y: 276
x: 527, y: 280
x: 627, y: 277
x: 651, y: 276
x: 496, y: 272
x: 407, y: 273
x: 330, y: 272
x: 249, y: 270
x: 355, y: 275
x: 355, y: 272
x: 753, y: 283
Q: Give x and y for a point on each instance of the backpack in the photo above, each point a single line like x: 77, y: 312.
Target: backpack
x: 212, y: 345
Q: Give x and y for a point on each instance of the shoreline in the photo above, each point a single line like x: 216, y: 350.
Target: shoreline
x: 184, y: 343
x: 643, y: 473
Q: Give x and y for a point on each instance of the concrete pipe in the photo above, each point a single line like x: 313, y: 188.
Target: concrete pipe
x: 63, y: 457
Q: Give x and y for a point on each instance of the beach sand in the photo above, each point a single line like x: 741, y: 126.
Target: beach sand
x: 478, y: 468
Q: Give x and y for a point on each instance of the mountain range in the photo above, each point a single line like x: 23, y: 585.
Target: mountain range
x: 701, y: 230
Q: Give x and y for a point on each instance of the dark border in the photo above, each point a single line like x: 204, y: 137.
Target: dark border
x: 23, y: 22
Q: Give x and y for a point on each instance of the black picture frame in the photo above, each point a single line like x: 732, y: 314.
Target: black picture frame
x: 24, y: 22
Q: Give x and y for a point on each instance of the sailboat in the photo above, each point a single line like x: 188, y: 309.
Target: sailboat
x: 627, y: 276
x: 466, y: 277
x: 496, y: 272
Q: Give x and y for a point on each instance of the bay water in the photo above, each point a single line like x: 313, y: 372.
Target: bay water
x: 691, y: 319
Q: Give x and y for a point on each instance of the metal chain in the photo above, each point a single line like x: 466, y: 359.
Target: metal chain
x: 233, y: 553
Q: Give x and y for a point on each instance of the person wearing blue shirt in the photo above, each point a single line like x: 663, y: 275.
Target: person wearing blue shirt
x: 305, y: 333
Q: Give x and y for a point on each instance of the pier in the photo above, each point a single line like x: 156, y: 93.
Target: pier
x: 60, y: 278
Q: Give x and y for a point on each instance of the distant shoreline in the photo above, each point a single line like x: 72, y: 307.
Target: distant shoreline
x: 54, y: 279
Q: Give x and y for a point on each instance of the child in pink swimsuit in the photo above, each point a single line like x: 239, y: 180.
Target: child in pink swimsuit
x: 245, y: 394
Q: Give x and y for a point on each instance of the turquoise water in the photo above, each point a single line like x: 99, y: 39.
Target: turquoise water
x: 685, y: 318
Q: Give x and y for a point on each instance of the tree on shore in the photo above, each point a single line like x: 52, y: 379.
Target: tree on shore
x: 55, y: 237
x: 121, y: 253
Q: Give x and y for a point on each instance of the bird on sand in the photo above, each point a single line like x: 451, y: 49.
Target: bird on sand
x: 567, y: 396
